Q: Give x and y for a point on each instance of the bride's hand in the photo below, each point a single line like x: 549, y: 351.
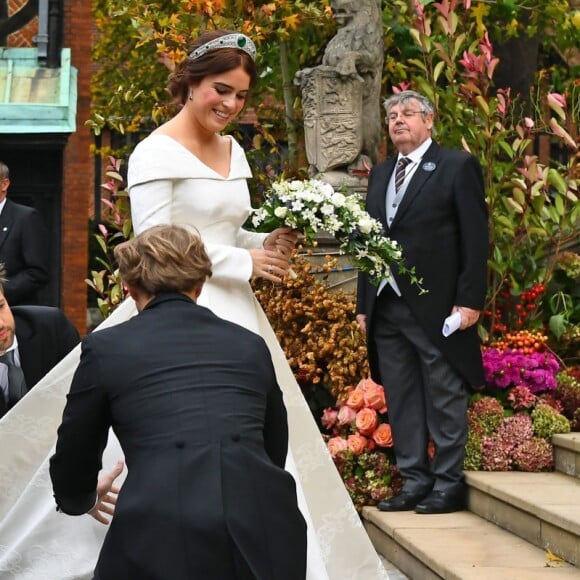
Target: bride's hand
x: 282, y: 240
x: 107, y: 494
x: 269, y: 264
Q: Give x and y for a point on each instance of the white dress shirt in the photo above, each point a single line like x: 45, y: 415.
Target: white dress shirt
x: 394, y: 198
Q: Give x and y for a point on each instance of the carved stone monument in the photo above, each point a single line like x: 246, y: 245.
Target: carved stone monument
x: 332, y: 108
x: 341, y: 97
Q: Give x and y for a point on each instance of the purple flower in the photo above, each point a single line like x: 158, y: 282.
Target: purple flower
x: 512, y: 368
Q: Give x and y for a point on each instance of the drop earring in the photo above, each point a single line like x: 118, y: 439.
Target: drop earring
x: 190, y: 95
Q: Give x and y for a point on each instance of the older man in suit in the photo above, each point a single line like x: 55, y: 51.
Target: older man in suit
x: 431, y: 200
x: 195, y: 404
x: 24, y: 245
x: 33, y: 339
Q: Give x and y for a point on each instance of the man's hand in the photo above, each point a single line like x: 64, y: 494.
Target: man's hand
x: 469, y: 317
x: 107, y: 494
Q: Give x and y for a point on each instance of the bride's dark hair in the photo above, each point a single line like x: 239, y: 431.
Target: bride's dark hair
x: 192, y: 71
x: 164, y: 259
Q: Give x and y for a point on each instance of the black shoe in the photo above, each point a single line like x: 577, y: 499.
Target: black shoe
x: 402, y: 502
x: 442, y: 502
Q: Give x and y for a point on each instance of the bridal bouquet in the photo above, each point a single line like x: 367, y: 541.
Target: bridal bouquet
x: 314, y: 206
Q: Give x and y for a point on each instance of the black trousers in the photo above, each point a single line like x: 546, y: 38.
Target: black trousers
x: 425, y: 396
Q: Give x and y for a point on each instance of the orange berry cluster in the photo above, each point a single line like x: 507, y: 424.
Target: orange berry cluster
x: 526, y: 341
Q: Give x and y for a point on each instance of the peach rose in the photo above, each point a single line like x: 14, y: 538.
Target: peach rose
x: 356, y: 400
x: 383, y: 435
x: 366, y: 421
x: 336, y: 445
x: 329, y: 418
x: 346, y: 415
x: 357, y: 443
x: 374, y: 396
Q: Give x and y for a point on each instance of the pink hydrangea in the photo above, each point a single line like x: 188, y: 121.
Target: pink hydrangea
x: 520, y: 397
x: 495, y: 454
x: 515, y: 429
x: 534, y: 455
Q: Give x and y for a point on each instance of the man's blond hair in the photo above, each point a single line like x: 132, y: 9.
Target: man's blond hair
x: 164, y: 258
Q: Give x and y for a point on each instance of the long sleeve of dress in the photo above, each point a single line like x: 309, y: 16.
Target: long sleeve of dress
x: 152, y: 203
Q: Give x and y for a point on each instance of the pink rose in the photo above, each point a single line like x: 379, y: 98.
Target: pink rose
x: 366, y: 421
x: 346, y: 415
x: 374, y: 396
x: 336, y: 445
x: 356, y: 400
x: 357, y: 443
x: 383, y: 435
x: 329, y: 418
x: 364, y: 384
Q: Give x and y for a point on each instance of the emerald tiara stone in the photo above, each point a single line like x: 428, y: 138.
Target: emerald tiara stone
x: 236, y: 40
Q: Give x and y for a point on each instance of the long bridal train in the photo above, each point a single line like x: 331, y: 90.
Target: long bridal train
x: 37, y: 543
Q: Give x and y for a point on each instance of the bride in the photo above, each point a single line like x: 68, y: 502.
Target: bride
x: 184, y: 173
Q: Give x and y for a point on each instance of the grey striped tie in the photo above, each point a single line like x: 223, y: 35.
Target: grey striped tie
x: 16, y: 382
x: 400, y: 172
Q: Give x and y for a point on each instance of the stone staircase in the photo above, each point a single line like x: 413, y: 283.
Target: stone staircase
x: 520, y: 526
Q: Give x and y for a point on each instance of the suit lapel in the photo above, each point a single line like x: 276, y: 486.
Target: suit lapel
x: 29, y: 355
x: 377, y: 196
x: 6, y: 219
x: 419, y: 178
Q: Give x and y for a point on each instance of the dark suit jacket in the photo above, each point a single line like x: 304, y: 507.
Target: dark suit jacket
x: 442, y: 227
x: 24, y: 250
x: 195, y: 404
x: 45, y: 336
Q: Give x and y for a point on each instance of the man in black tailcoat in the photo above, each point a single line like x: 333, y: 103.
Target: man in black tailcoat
x: 24, y: 247
x: 431, y: 201
x: 194, y: 402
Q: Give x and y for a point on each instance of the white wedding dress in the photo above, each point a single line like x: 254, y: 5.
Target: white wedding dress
x: 169, y: 185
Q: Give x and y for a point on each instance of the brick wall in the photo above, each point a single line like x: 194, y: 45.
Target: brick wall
x: 78, y: 168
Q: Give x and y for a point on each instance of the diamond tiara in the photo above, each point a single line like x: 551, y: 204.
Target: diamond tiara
x: 239, y: 41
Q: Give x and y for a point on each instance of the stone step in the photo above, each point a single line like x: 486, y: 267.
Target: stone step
x: 459, y: 546
x: 541, y: 508
x: 567, y: 453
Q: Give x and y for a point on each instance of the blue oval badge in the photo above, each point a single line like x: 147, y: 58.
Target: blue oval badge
x: 429, y: 166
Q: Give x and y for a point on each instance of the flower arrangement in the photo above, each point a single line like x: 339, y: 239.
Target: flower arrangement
x: 314, y: 206
x: 317, y: 329
x: 359, y: 442
x: 568, y: 393
x: 522, y: 372
x: 511, y: 368
x: 513, y: 438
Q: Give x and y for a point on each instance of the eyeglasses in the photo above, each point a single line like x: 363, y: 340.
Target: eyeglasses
x: 405, y: 114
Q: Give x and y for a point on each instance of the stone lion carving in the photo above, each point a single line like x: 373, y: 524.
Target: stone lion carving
x: 357, y: 51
